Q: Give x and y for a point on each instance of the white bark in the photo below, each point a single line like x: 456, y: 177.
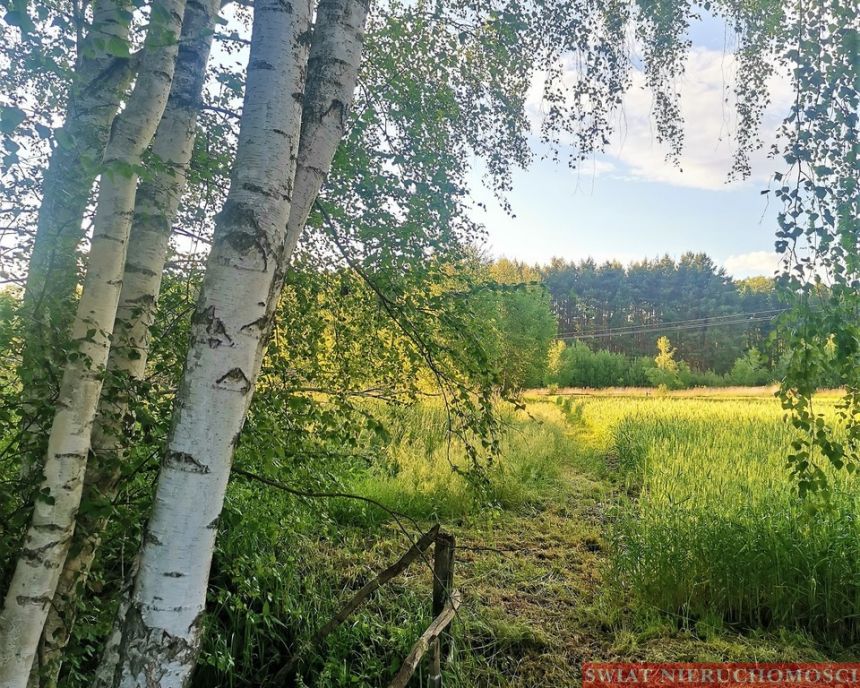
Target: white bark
x: 156, y: 205
x: 44, y: 552
x: 332, y: 74
x: 161, y: 633
x: 52, y: 276
x: 333, y: 65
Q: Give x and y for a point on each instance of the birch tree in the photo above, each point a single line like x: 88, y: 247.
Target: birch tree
x: 102, y: 73
x: 156, y: 206
x: 162, y: 627
x: 47, y: 541
x: 332, y: 75
x: 161, y: 632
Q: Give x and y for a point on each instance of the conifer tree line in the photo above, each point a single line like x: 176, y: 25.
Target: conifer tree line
x: 690, y: 297
x: 597, y: 325
x: 624, y: 309
x: 290, y: 217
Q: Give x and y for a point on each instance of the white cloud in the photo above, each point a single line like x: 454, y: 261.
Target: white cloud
x: 755, y: 263
x: 707, y: 105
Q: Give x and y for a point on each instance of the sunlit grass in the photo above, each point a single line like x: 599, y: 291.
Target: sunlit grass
x: 424, y: 475
x: 651, y: 527
x: 713, y: 527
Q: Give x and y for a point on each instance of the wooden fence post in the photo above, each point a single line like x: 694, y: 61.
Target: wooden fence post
x: 443, y: 587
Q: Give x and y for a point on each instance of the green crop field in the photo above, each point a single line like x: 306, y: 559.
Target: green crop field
x: 713, y: 529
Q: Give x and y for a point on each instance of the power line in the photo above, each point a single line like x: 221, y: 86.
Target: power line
x: 703, y: 320
x: 665, y: 328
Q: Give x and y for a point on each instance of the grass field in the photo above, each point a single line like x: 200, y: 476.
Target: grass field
x: 616, y: 527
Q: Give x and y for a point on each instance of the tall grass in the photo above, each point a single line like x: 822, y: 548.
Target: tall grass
x: 713, y: 528
x: 422, y: 475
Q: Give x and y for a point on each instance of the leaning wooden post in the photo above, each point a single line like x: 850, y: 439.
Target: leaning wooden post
x: 425, y: 642
x: 443, y: 586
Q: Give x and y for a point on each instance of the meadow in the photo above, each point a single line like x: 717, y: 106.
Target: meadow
x: 613, y: 527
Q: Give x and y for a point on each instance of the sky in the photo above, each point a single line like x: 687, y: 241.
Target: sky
x: 630, y: 203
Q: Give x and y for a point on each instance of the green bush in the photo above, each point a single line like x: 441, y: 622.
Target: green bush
x: 579, y: 366
x: 750, y: 370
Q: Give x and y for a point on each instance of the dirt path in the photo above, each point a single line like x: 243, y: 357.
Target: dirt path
x: 540, y: 603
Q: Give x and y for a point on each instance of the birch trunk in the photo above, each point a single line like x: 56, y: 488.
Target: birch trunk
x: 47, y: 541
x: 156, y: 205
x: 162, y: 628
x: 332, y: 75
x: 333, y: 64
x: 100, y: 82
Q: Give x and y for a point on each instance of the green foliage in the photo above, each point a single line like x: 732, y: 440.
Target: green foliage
x: 819, y: 233
x: 14, y: 512
x: 667, y: 373
x: 665, y: 359
x: 283, y: 564
x: 386, y: 304
x: 520, y: 310
x: 750, y: 370
x: 579, y: 366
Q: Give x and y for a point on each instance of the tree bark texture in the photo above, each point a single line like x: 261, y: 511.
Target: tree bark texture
x: 156, y: 205
x: 100, y: 82
x: 162, y: 627
x: 38, y: 568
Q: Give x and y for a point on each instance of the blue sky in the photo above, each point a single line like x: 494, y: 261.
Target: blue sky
x: 630, y: 203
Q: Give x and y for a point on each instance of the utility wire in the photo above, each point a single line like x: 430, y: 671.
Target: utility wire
x: 705, y: 320
x: 664, y: 328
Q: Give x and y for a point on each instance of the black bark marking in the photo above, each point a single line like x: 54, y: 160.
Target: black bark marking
x: 244, y: 232
x: 143, y: 298
x: 182, y: 461
x: 254, y: 188
x: 49, y: 528
x: 261, y: 64
x: 260, y: 324
x: 338, y: 105
x: 215, y: 327
x: 72, y: 483
x: 42, y: 600
x: 132, y: 268
x: 235, y: 380
x: 173, y: 574
x: 149, y: 538
x: 35, y: 553
x: 80, y: 456
x: 148, y: 651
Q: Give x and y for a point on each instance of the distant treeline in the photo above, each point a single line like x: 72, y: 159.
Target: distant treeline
x: 711, y: 319
x: 609, y: 318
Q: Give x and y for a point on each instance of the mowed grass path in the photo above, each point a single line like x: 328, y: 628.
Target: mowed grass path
x: 557, y: 600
